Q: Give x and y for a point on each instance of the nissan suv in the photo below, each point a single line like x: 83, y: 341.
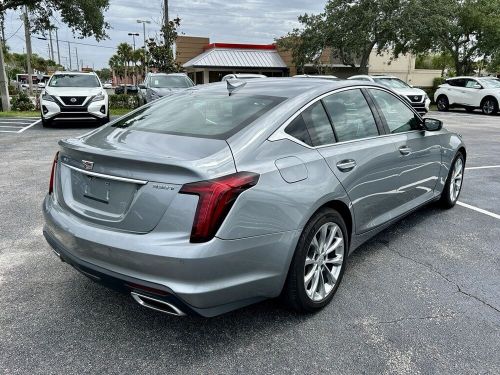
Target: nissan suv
x: 157, y: 85
x: 74, y: 96
x: 469, y: 93
x: 417, y: 97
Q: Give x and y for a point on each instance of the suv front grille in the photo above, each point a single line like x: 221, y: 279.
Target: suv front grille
x: 415, y: 98
x: 73, y: 100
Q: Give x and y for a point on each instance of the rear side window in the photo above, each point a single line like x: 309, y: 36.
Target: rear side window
x: 458, y: 82
x: 312, y: 126
x: 351, y: 116
x: 200, y: 115
x: 398, y: 116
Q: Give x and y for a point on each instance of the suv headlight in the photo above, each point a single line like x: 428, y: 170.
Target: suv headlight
x: 98, y: 97
x: 47, y: 97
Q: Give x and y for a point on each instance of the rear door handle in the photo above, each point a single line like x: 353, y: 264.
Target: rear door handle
x: 405, y: 150
x: 346, y: 165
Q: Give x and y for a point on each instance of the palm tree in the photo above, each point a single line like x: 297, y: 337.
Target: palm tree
x: 125, y: 53
x: 115, y: 63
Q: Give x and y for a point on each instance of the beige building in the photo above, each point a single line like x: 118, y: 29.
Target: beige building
x: 207, y: 62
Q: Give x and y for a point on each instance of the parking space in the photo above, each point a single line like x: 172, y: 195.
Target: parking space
x: 422, y: 297
x: 17, y: 124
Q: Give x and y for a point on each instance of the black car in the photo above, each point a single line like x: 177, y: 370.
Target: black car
x: 131, y: 89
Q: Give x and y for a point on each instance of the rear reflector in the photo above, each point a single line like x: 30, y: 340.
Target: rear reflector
x: 53, y: 173
x: 216, y: 197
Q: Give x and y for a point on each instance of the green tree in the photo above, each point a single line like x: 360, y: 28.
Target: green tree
x: 441, y: 61
x: 124, y: 51
x: 466, y: 30
x: 104, y: 74
x: 161, y: 54
x: 84, y: 18
x: 348, y: 29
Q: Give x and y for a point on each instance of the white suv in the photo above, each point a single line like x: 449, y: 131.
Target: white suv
x: 74, y: 96
x: 417, y: 97
x: 469, y: 93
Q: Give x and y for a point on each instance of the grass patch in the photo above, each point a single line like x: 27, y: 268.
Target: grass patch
x: 119, y: 111
x: 20, y: 114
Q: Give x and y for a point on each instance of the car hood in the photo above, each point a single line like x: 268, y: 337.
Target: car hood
x: 162, y: 91
x: 410, y: 91
x: 73, y: 91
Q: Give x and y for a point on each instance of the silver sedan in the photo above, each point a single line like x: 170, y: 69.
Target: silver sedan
x: 227, y: 194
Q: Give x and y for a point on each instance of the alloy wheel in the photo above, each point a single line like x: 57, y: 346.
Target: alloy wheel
x: 324, y: 261
x: 488, y: 107
x: 442, y: 104
x: 456, y: 179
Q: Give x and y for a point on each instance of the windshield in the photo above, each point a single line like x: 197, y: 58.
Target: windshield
x: 169, y: 82
x: 491, y: 83
x: 74, y: 80
x: 199, y: 115
x: 394, y: 83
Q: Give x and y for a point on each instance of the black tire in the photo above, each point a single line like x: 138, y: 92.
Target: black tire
x: 489, y: 106
x: 470, y: 109
x: 446, y: 200
x: 105, y: 120
x: 442, y: 103
x: 46, y: 123
x: 294, y: 291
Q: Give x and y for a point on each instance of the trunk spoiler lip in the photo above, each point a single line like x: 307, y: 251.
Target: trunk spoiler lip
x: 106, y: 176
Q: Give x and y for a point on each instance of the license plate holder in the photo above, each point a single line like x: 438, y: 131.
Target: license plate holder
x: 97, y: 189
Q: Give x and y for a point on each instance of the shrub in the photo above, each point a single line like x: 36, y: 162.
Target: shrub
x: 120, y: 101
x: 437, y: 81
x: 22, y: 102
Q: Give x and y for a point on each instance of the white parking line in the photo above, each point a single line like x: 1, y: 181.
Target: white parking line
x: 27, y: 127
x: 496, y: 216
x: 485, y: 167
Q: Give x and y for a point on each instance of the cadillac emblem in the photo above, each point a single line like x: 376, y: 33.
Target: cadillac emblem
x: 88, y: 165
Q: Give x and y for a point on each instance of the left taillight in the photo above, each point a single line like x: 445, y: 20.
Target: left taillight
x: 216, y: 197
x: 53, y: 173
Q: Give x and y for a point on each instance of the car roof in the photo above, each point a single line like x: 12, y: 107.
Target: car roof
x: 282, y: 87
x: 74, y: 72
x: 324, y: 76
x: 168, y: 74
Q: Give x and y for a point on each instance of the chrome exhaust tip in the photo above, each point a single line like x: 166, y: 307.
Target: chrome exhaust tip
x: 156, y: 304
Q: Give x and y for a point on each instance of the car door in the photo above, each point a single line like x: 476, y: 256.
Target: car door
x: 419, y: 152
x: 471, y: 93
x: 454, y: 90
x: 363, y: 161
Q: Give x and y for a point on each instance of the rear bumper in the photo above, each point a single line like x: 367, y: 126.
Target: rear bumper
x: 206, y: 279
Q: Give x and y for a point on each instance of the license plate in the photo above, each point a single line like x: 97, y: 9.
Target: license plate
x: 97, y: 189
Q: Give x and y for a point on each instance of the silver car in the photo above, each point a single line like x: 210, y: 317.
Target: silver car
x: 227, y: 194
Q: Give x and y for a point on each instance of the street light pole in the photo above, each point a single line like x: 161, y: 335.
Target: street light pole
x: 58, y: 53
x: 69, y: 54
x: 27, y: 34
x: 133, y: 35
x: 146, y: 65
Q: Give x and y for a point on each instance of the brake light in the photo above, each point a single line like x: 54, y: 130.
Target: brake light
x: 216, y: 197
x: 53, y: 173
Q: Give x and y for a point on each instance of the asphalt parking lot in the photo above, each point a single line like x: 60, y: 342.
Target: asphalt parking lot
x: 422, y: 297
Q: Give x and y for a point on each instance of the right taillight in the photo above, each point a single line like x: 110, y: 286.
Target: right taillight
x: 216, y: 197
x: 53, y: 173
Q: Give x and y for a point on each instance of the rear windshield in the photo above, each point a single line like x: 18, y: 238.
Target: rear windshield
x: 74, y: 80
x: 393, y: 83
x: 199, y: 115
x: 170, y: 82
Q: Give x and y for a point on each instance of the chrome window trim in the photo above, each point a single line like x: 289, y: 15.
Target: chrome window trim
x: 280, y: 133
x: 106, y: 176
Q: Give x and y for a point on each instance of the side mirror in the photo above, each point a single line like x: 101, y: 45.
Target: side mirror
x: 142, y: 86
x: 432, y: 124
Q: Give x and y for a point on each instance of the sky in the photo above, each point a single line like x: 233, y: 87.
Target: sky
x: 251, y: 21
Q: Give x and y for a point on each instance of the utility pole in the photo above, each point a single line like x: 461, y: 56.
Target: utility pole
x: 51, y: 45
x: 77, y: 62
x: 27, y: 34
x: 165, y: 12
x: 58, y: 54
x: 69, y: 53
x: 144, y: 22
x: 133, y: 35
x: 4, y: 89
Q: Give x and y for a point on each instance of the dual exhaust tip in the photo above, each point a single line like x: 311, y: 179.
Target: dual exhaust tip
x: 156, y: 304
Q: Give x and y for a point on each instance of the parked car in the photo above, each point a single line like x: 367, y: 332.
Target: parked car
x: 108, y: 85
x: 417, y: 97
x: 157, y: 85
x: 74, y: 96
x: 243, y: 76
x: 203, y: 202
x: 131, y: 89
x: 328, y: 77
x: 469, y: 93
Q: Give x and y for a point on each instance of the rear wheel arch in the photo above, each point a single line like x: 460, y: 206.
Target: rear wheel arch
x: 462, y: 151
x: 344, y: 211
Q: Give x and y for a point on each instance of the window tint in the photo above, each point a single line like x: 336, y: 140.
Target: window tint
x: 351, y: 115
x: 297, y: 129
x: 199, y: 115
x: 318, y: 124
x: 398, y: 116
x: 458, y: 82
x: 74, y: 80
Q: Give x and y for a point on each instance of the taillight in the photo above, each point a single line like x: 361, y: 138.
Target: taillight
x: 53, y: 173
x: 216, y: 197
